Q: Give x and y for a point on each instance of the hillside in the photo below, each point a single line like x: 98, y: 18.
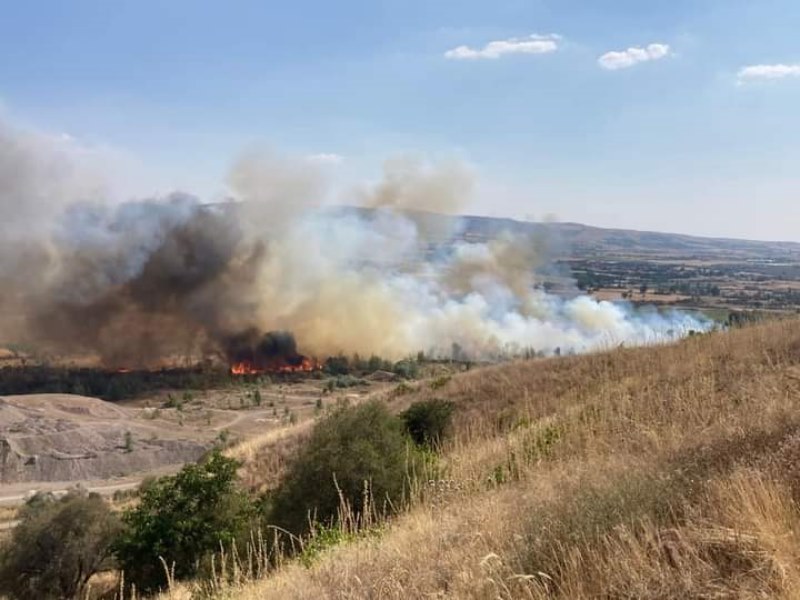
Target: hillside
x: 578, y: 240
x: 662, y: 472
x: 585, y: 240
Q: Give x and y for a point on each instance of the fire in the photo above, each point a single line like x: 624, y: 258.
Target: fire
x: 244, y: 368
x: 305, y: 365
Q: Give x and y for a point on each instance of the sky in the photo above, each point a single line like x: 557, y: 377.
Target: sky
x: 678, y: 116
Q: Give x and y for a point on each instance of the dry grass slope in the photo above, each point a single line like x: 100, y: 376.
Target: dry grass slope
x: 664, y: 472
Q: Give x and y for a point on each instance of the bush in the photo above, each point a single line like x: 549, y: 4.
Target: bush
x: 57, y: 547
x: 183, y: 519
x: 407, y: 369
x: 355, y: 445
x: 428, y: 422
x: 348, y: 381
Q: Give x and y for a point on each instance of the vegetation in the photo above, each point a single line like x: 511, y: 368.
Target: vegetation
x: 182, y: 520
x: 342, y: 365
x: 407, y: 369
x: 428, y: 421
x: 344, y: 382
x: 664, y: 472
x: 126, y: 384
x: 128, y: 446
x: 108, y: 385
x: 57, y: 546
x: 355, y: 466
x: 657, y: 472
x: 358, y: 456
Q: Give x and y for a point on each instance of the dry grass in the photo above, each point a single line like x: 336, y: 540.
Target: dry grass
x: 664, y: 472
x: 265, y: 457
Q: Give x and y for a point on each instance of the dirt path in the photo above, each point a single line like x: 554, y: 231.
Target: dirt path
x: 17, y: 499
x: 16, y: 494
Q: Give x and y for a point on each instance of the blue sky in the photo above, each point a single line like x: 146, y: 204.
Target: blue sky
x: 678, y: 137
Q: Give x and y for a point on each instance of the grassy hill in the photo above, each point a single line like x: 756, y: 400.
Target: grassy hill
x: 663, y: 472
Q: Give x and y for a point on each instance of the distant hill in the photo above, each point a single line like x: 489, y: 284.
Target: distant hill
x: 581, y: 239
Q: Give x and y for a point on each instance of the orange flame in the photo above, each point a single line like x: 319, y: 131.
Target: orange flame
x: 306, y: 365
x: 243, y: 368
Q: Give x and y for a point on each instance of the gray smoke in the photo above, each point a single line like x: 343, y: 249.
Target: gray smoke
x: 141, y: 283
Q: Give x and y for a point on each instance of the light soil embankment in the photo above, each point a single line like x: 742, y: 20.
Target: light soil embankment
x: 66, y: 438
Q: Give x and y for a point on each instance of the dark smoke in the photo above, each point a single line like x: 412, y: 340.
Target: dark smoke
x: 147, y: 281
x: 154, y: 282
x: 263, y: 352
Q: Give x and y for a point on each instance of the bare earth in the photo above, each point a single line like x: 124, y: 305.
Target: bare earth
x: 53, y: 442
x: 60, y: 437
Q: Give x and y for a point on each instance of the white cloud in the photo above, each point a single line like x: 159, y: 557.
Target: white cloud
x: 326, y: 158
x: 767, y: 72
x: 533, y: 44
x: 614, y: 61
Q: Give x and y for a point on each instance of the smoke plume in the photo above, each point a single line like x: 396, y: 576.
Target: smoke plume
x: 142, y: 282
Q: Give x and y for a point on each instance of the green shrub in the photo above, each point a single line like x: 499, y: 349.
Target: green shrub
x: 428, y: 421
x: 348, y: 381
x: 321, y: 540
x: 183, y: 519
x: 57, y: 546
x: 407, y: 369
x: 348, y: 447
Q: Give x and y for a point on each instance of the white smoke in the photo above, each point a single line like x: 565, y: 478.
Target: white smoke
x: 385, y: 277
x: 357, y: 284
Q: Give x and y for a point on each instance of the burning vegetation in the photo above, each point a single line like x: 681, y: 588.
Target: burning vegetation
x: 253, y: 353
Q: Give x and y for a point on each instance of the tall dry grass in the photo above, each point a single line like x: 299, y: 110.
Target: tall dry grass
x: 661, y: 472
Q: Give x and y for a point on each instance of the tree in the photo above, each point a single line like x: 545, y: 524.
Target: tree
x: 183, y: 519
x: 337, y: 365
x: 349, y: 447
x: 57, y: 546
x: 376, y: 363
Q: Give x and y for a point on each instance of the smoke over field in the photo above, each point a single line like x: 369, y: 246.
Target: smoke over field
x: 140, y: 281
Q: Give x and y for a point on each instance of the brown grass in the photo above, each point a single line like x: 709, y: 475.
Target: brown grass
x: 265, y: 457
x: 663, y: 472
